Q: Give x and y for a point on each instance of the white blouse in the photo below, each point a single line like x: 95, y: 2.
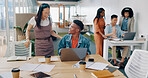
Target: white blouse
x: 43, y: 22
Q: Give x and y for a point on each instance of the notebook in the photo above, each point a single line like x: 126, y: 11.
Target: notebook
x: 73, y: 54
x: 102, y: 74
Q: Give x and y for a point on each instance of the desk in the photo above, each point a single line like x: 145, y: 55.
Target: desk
x: 61, y: 69
x: 108, y: 43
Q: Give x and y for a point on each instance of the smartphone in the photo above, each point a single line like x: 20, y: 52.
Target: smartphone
x: 40, y: 75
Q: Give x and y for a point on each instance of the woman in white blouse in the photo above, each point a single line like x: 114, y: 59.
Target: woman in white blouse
x: 42, y: 25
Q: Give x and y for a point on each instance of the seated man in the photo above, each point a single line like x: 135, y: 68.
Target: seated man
x: 74, y: 39
x: 114, y: 31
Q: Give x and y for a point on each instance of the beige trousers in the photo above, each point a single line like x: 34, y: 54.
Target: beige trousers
x: 124, y: 53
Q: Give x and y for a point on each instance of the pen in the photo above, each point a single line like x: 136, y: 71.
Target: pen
x: 75, y: 76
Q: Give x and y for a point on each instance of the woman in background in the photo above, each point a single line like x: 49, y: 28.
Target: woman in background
x: 42, y: 25
x: 99, y: 26
x: 127, y: 20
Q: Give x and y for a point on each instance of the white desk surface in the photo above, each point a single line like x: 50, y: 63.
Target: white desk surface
x: 108, y: 43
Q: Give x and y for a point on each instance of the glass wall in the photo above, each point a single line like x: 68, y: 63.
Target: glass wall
x: 2, y: 28
x: 2, y: 15
x: 21, y: 6
x: 54, y: 13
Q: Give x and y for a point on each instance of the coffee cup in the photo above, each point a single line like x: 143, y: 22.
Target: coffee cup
x: 15, y: 72
x: 47, y: 58
x: 82, y: 65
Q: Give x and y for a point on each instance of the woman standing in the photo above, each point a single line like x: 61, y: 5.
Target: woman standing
x: 99, y: 26
x: 127, y: 20
x: 42, y: 25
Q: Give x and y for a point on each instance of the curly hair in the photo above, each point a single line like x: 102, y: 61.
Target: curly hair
x: 127, y: 9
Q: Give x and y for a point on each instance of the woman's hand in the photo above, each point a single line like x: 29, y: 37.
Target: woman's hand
x: 104, y: 36
x: 26, y: 44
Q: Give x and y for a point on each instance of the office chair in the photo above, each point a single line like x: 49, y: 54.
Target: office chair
x: 21, y: 50
x: 137, y: 66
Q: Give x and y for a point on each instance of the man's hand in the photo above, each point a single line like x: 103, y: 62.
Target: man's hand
x: 123, y: 35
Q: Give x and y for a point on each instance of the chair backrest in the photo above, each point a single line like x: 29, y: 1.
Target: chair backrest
x: 137, y: 66
x: 21, y: 50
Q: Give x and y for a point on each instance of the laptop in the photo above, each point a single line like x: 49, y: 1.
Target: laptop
x: 129, y: 36
x: 73, y: 54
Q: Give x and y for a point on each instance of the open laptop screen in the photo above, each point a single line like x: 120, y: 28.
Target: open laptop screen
x: 73, y: 54
x: 129, y: 36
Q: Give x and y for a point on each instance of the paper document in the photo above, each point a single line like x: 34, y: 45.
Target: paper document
x: 6, y: 75
x: 92, y: 65
x: 117, y: 39
x: 37, y: 67
x: 41, y: 59
x: 97, y: 66
x: 52, y: 59
x: 44, y: 68
x: 28, y: 67
x: 17, y: 58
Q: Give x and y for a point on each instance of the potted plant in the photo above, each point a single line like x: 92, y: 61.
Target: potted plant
x: 19, y: 33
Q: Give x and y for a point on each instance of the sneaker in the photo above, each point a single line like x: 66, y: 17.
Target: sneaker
x: 121, y: 65
x: 116, y: 64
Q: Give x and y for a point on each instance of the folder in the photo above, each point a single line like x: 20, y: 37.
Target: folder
x: 102, y: 74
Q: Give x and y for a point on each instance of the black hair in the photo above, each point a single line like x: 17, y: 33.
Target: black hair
x: 79, y: 23
x: 114, y: 16
x: 100, y: 10
x: 127, y: 9
x: 39, y: 14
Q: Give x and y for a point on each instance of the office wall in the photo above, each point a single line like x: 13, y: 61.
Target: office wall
x: 140, y: 8
x: 89, y: 8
